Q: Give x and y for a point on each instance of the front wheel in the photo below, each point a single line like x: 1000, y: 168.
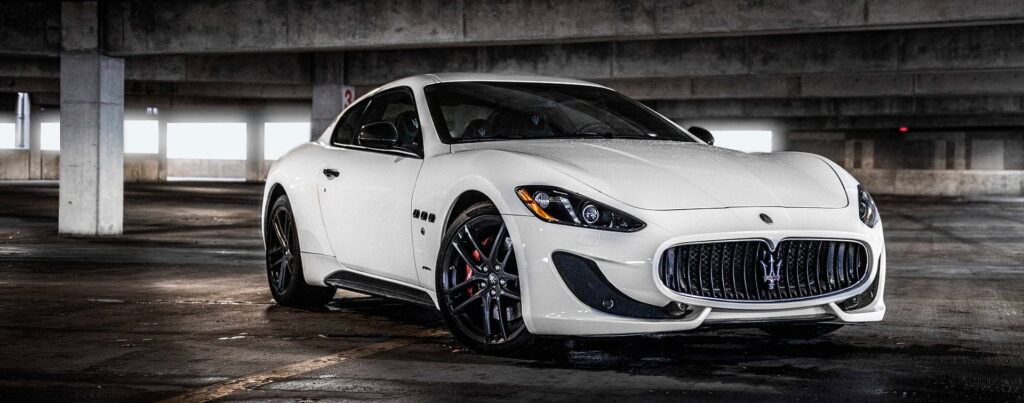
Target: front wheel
x: 478, y: 283
x: 284, y: 261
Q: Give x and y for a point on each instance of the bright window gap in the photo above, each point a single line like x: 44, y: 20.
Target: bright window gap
x: 141, y: 137
x: 49, y: 136
x: 212, y: 141
x: 281, y: 137
x: 7, y: 133
x: 751, y: 141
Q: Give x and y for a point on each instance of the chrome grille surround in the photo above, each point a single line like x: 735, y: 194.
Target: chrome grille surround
x: 738, y: 270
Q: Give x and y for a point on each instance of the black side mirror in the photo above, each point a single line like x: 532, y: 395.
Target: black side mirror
x: 702, y: 133
x: 378, y: 135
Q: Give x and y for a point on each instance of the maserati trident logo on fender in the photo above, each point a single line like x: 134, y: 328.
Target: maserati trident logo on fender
x: 771, y: 270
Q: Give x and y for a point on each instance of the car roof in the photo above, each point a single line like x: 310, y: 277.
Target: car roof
x: 510, y: 77
x: 427, y: 79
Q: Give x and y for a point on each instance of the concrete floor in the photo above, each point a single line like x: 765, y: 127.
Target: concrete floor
x: 180, y: 303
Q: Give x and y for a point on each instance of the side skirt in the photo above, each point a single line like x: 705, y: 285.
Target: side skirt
x: 353, y: 281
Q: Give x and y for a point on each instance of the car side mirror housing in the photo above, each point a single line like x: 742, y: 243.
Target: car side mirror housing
x: 703, y: 134
x: 378, y: 135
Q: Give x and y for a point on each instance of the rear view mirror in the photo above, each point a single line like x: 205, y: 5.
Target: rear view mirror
x: 703, y: 134
x: 378, y: 135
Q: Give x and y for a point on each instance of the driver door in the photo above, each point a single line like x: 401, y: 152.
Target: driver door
x: 366, y: 192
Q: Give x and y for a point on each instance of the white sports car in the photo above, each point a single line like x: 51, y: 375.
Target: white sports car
x: 532, y: 206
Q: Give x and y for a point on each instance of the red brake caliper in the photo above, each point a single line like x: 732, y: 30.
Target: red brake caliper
x: 477, y: 257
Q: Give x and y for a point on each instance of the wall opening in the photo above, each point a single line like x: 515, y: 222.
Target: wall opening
x: 281, y: 137
x: 7, y: 134
x: 141, y: 137
x: 49, y: 136
x: 205, y: 151
x: 751, y: 141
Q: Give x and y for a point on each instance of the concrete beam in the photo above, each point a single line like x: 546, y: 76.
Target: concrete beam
x: 220, y: 90
x: 30, y: 28
x: 833, y: 107
x: 136, y: 27
x: 977, y: 82
x: 875, y: 52
x: 250, y: 68
x: 12, y: 85
x: 892, y: 123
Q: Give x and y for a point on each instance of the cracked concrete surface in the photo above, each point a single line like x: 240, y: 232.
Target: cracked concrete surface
x: 179, y: 303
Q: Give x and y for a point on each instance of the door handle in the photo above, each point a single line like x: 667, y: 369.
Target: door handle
x: 331, y: 173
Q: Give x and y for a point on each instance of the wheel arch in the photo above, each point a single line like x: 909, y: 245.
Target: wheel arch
x: 463, y: 202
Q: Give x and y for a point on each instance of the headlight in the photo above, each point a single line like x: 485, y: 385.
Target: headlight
x: 558, y: 206
x: 866, y: 207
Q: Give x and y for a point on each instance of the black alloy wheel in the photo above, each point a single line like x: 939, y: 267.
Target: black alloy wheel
x: 478, y: 283
x: 284, y: 262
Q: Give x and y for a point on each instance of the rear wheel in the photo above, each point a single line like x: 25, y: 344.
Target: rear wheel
x: 284, y: 262
x: 478, y: 283
x: 800, y: 331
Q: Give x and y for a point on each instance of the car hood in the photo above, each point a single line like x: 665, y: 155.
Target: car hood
x: 669, y: 175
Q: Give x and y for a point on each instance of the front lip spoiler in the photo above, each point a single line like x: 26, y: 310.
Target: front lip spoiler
x: 788, y: 320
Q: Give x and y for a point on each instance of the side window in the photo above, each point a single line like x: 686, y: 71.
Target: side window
x: 348, y: 126
x: 398, y: 108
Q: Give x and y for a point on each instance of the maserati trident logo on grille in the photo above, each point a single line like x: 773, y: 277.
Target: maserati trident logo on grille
x: 771, y: 270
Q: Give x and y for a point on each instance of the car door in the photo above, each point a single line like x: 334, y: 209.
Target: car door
x: 366, y: 192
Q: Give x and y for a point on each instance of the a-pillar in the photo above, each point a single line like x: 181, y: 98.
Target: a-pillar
x: 91, y: 127
x: 328, y: 91
x: 254, y: 146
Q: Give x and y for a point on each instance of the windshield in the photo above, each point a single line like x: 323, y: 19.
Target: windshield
x: 486, y: 111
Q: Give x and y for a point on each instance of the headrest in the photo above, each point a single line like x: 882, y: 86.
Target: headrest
x: 476, y: 129
x: 408, y: 125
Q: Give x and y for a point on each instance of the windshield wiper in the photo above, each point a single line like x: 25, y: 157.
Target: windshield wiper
x: 584, y: 134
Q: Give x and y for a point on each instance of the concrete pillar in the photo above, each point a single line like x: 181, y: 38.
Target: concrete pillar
x: 960, y: 153
x: 328, y: 91
x: 91, y: 129
x: 35, y: 159
x: 939, y: 155
x: 23, y: 121
x: 254, y: 146
x: 850, y: 155
x: 162, y: 153
x: 867, y: 154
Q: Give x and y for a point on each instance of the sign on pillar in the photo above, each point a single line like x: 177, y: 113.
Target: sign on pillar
x: 348, y: 95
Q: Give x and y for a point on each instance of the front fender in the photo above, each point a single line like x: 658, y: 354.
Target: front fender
x: 494, y: 173
x: 295, y: 173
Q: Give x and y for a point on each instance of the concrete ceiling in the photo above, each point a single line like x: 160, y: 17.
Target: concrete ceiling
x: 814, y: 59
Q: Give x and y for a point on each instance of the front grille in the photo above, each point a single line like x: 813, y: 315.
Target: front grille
x: 751, y: 271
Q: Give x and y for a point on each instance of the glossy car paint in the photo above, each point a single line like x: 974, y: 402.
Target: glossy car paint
x: 685, y: 192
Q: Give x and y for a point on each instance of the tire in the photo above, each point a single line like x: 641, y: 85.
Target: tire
x: 478, y: 285
x: 800, y: 331
x: 282, y: 240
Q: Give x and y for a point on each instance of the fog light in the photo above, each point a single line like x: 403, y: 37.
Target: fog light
x: 676, y: 309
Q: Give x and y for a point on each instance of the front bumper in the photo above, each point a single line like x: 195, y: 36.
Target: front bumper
x: 629, y: 261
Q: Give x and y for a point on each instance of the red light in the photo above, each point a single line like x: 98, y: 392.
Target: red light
x: 904, y: 129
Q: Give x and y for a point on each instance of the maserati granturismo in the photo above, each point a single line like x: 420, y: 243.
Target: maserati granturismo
x: 523, y: 207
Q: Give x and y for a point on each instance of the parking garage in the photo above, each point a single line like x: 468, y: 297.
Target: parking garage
x: 135, y: 138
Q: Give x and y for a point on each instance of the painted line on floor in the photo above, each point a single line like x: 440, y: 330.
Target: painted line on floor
x: 256, y: 380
